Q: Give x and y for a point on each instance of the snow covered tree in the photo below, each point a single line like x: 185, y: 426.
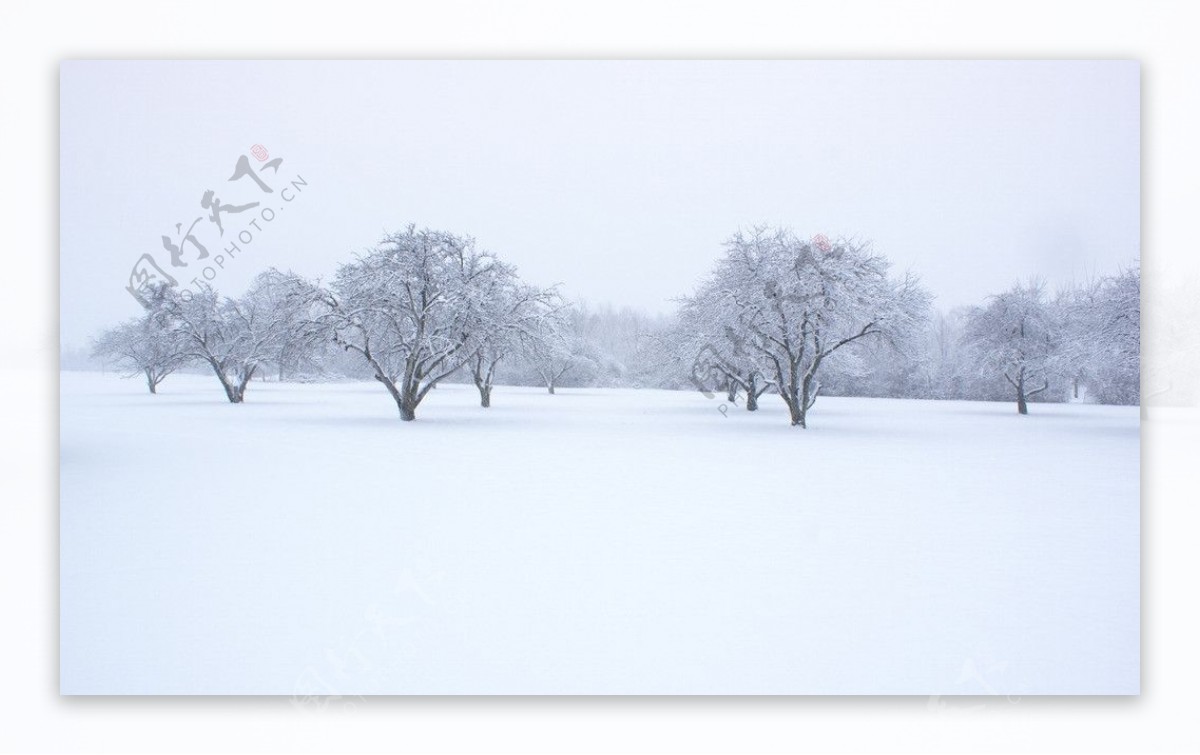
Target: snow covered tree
x: 555, y: 345
x: 795, y: 304
x: 1102, y: 337
x: 411, y: 308
x: 601, y: 346
x: 506, y: 314
x: 1017, y: 335
x: 142, y: 346
x: 288, y: 301
x: 235, y: 337
x: 944, y: 368
x: 711, y: 335
x: 1120, y: 329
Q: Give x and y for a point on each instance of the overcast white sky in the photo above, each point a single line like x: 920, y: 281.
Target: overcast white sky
x: 618, y: 180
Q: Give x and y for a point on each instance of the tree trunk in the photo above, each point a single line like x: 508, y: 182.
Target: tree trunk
x: 796, y: 411
x: 752, y: 394
x: 151, y: 382
x: 406, y: 408
x: 795, y: 406
x: 231, y: 391
x: 483, y: 381
x: 799, y: 415
x: 238, y: 391
x: 1022, y: 406
x: 805, y: 401
x: 550, y: 388
x: 235, y: 393
x: 788, y: 385
x: 408, y: 404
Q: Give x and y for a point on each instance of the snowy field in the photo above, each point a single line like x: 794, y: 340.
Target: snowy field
x: 596, y: 541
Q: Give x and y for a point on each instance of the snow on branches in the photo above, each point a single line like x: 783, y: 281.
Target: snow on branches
x: 776, y: 307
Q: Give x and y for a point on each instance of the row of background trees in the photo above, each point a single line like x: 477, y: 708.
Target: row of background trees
x: 778, y: 314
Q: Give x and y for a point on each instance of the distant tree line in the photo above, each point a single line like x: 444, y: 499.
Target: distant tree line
x: 803, y: 318
x: 778, y: 314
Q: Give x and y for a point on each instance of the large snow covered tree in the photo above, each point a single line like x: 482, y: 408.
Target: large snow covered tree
x: 412, y: 309
x: 1017, y: 335
x: 796, y: 303
x: 142, y: 346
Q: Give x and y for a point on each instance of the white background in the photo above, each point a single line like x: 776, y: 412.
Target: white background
x: 35, y: 39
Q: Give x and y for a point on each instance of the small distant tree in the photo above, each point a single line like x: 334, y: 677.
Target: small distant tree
x: 509, y: 312
x: 1017, y: 335
x: 944, y: 372
x: 142, y: 346
x: 553, y: 346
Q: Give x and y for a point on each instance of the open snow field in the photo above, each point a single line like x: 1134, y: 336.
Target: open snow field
x: 596, y: 541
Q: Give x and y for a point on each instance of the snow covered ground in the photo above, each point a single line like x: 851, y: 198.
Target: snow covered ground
x: 597, y: 541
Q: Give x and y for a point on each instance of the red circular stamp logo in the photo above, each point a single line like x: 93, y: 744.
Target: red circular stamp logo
x: 821, y: 241
x: 260, y: 152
